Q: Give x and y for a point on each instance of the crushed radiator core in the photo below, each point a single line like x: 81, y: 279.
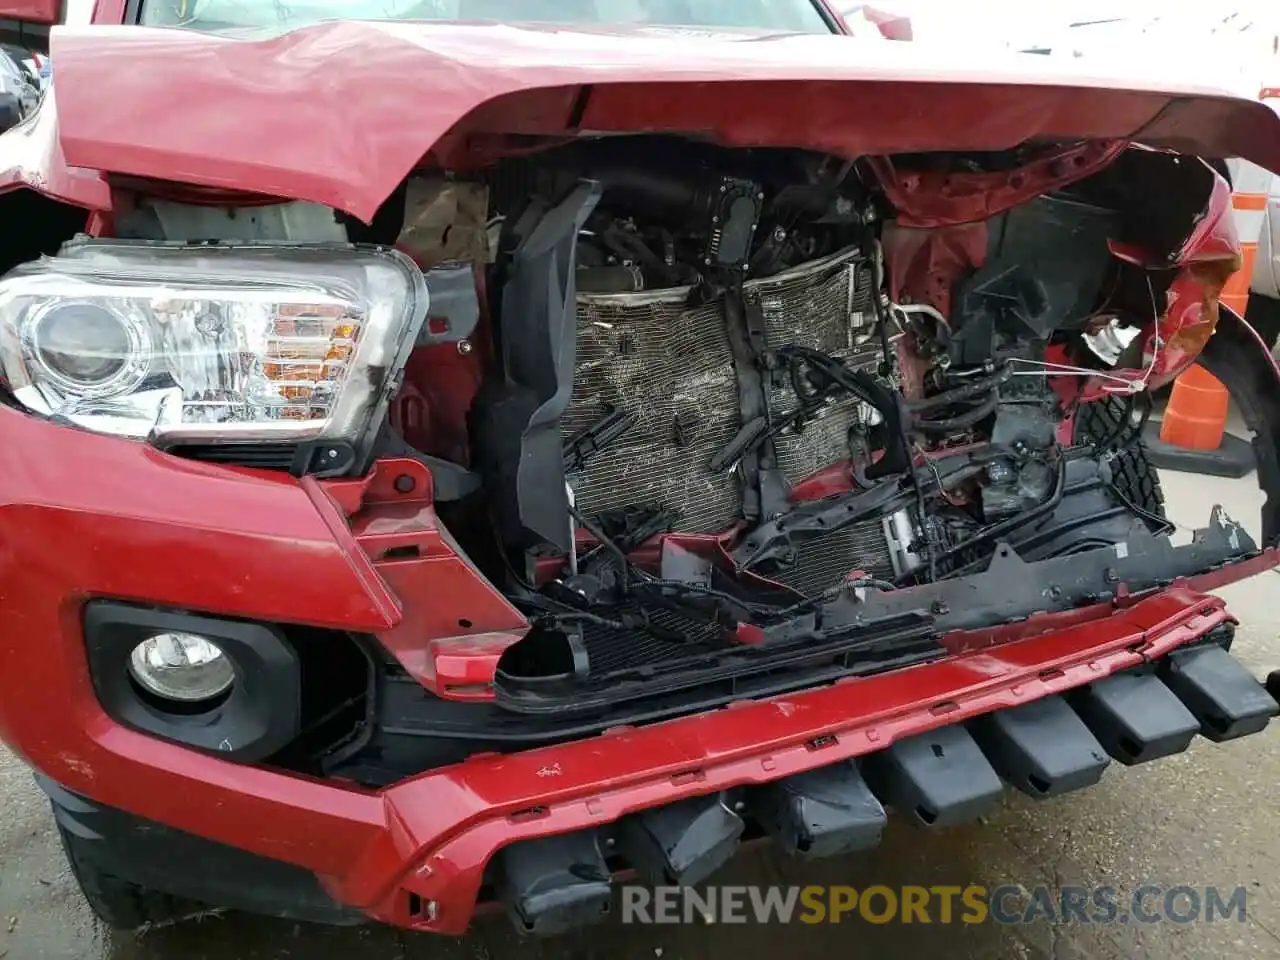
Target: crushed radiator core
x: 669, y: 364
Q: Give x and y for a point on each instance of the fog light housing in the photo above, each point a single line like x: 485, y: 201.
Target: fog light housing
x: 185, y: 667
x: 231, y: 687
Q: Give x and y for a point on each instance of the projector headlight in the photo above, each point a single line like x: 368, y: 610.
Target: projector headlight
x: 211, y: 343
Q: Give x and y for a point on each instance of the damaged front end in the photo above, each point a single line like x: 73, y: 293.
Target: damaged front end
x: 743, y: 421
x: 735, y: 477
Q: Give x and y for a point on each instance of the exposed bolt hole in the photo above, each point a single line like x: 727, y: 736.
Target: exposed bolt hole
x: 938, y: 751
x: 464, y: 623
x: 926, y: 815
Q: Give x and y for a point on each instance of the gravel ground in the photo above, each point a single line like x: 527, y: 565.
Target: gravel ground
x: 1203, y: 818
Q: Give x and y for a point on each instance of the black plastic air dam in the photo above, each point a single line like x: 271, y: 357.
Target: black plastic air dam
x: 682, y: 843
x: 1224, y: 697
x: 1135, y: 717
x: 823, y: 813
x: 1041, y: 748
x: 940, y: 778
x: 555, y: 884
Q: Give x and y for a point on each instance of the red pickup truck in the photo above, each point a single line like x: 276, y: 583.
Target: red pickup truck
x: 459, y: 452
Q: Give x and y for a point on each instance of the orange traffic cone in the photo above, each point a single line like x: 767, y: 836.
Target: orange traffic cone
x: 1193, y: 435
x: 1196, y: 417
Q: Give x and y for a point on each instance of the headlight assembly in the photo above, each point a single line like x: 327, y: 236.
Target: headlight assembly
x: 209, y: 344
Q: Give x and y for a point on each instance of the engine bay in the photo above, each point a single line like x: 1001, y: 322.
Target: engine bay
x: 723, y: 420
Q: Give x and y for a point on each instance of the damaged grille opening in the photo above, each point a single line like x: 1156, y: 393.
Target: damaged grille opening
x: 701, y: 455
x: 710, y: 417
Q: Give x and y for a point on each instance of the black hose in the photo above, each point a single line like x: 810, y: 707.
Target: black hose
x: 968, y: 391
x: 1156, y: 524
x: 710, y: 593
x: 1143, y: 419
x: 834, y: 376
x: 833, y: 593
x: 961, y: 421
x: 577, y: 616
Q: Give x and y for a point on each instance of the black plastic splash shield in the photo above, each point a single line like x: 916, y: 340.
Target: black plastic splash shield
x: 515, y: 419
x: 1012, y: 589
x: 887, y: 645
x: 867, y: 631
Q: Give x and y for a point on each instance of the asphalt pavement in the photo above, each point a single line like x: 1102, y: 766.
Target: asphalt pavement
x: 1206, y: 818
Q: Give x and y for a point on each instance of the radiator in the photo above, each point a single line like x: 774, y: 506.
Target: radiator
x: 669, y: 364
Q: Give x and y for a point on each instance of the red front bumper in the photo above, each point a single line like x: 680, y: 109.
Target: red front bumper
x: 88, y: 516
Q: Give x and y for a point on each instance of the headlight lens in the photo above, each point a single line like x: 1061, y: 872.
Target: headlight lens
x: 209, y: 343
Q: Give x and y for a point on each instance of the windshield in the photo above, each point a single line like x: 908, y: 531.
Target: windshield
x: 260, y: 16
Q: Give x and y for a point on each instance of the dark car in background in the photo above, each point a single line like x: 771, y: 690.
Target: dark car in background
x: 19, y: 89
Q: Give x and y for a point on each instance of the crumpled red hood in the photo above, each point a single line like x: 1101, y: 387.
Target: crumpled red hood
x: 339, y: 113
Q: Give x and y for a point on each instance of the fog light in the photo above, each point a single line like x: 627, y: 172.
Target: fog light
x: 181, y: 666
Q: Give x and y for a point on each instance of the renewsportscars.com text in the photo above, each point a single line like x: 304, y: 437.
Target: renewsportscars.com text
x: 973, y: 904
